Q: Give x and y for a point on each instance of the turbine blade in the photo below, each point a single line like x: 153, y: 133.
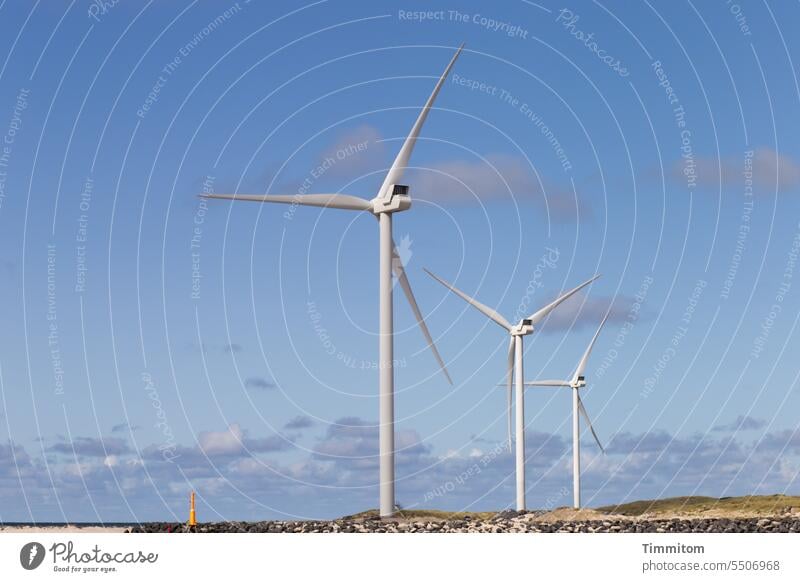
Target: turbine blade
x: 402, y: 278
x: 579, y: 371
x: 487, y: 311
x: 510, y: 379
x: 341, y: 201
x: 545, y: 311
x: 548, y: 383
x: 589, y: 422
x: 395, y: 173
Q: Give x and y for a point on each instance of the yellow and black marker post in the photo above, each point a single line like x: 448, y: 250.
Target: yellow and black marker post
x: 192, y: 515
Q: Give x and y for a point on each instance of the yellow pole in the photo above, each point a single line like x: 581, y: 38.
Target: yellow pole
x: 192, y: 515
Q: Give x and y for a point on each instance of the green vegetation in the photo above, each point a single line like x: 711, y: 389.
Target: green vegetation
x: 695, y: 506
x: 755, y: 504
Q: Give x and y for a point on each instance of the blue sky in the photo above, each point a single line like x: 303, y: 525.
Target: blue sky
x: 154, y: 344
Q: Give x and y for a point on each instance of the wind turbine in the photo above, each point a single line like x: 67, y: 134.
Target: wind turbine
x: 525, y: 327
x: 577, y: 382
x: 392, y: 197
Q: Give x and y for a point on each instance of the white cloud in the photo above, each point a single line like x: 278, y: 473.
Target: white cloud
x: 355, y: 151
x: 581, y: 311
x: 91, y: 447
x: 500, y: 177
x: 299, y: 422
x: 637, y: 466
x: 227, y: 442
x: 259, y: 383
x: 771, y: 172
x: 742, y: 422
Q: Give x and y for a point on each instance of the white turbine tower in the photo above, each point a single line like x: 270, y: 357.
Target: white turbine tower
x: 577, y: 382
x: 392, y: 197
x: 525, y: 327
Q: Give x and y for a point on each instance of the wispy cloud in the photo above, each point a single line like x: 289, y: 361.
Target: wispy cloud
x: 92, y: 447
x: 741, y: 423
x: 771, y: 172
x: 221, y: 446
x: 581, y: 311
x: 339, y: 475
x: 354, y: 152
x: 122, y: 427
x: 235, y: 441
x: 501, y: 177
x: 226, y: 442
x: 351, y: 443
x: 258, y: 383
x: 298, y: 423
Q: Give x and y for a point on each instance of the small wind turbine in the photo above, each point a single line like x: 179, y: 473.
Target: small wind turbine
x: 525, y: 327
x: 392, y: 197
x: 577, y: 382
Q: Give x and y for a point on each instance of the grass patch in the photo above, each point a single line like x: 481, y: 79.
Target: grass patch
x: 692, y: 506
x: 758, y: 504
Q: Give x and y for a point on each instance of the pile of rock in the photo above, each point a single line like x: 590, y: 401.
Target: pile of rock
x: 506, y: 522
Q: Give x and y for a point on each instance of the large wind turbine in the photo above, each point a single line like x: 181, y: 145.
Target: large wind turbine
x: 577, y: 382
x: 525, y: 327
x: 392, y: 197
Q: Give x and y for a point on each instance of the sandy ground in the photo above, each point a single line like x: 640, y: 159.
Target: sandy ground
x: 62, y: 529
x: 568, y: 514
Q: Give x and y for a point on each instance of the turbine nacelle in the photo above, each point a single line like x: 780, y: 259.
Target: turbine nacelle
x: 524, y: 327
x: 397, y: 199
x: 578, y: 381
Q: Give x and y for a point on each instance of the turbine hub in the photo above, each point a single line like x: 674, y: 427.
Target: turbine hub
x: 524, y: 327
x: 397, y: 201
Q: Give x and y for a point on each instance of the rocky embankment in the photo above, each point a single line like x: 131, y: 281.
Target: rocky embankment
x: 507, y: 522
